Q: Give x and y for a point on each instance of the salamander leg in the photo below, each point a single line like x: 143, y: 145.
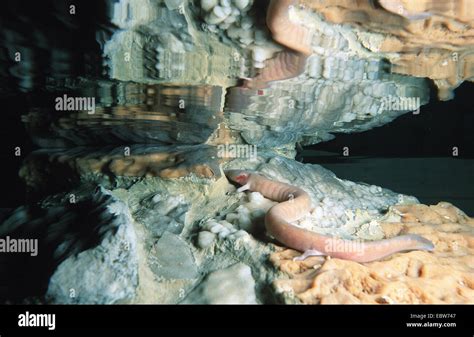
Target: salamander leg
x: 308, y: 253
x: 243, y: 188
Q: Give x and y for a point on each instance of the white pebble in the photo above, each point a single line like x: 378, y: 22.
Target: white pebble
x: 246, y: 41
x: 220, y: 12
x: 241, y: 4
x: 225, y: 3
x: 205, y: 239
x: 241, y: 234
x: 212, y: 28
x: 256, y: 198
x: 230, y: 20
x: 213, y: 19
x: 259, y: 54
x: 224, y: 233
x: 235, y: 12
x: 227, y: 225
x: 207, y: 5
x: 242, y: 209
x: 238, y: 234
x: 217, y: 229
x: 209, y: 224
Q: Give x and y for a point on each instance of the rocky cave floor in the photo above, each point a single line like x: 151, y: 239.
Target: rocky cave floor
x: 129, y: 201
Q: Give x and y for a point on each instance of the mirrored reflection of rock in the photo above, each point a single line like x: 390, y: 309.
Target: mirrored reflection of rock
x: 424, y: 39
x: 124, y: 113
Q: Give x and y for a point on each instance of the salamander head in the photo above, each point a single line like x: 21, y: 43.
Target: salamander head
x: 239, y: 176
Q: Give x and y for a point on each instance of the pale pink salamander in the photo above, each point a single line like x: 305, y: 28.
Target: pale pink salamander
x: 294, y: 203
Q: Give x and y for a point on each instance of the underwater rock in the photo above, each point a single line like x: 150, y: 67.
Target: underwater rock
x: 218, y: 228
x: 175, y: 81
x: 172, y: 258
x: 167, y: 214
x: 444, y: 276
x: 233, y: 285
x: 205, y: 239
x: 336, y: 202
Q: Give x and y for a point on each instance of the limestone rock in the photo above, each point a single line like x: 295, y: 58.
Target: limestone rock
x: 172, y: 258
x: 171, y: 82
x: 105, y: 274
x: 444, y: 276
x: 233, y: 285
x: 86, y: 250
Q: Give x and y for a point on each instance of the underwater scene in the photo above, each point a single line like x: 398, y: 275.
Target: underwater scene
x: 236, y: 152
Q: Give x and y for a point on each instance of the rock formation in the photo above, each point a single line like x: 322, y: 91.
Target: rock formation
x: 130, y: 202
x: 446, y: 276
